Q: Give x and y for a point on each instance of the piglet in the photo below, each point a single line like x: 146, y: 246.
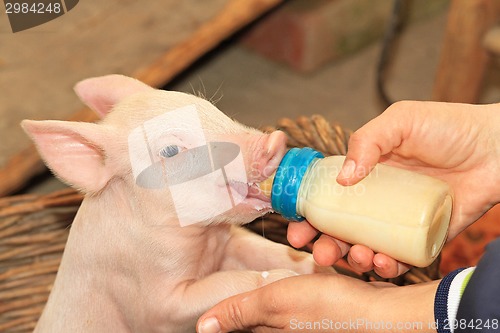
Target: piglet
x: 168, y: 181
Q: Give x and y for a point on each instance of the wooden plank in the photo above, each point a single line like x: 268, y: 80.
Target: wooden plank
x: 235, y: 15
x: 463, y: 60
x: 231, y: 17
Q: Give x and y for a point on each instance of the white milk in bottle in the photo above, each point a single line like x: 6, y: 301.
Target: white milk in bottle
x: 393, y: 211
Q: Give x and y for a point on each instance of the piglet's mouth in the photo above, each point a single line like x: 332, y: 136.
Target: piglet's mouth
x: 248, y: 191
x: 254, y: 191
x: 252, y: 195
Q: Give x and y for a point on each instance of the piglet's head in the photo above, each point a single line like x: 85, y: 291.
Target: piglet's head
x: 176, y: 154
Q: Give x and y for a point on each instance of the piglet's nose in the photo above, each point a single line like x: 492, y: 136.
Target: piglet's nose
x: 274, y: 150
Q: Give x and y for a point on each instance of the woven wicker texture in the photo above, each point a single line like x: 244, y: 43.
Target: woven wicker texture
x: 34, y: 229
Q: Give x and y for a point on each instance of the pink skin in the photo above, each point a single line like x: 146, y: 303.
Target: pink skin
x: 128, y: 266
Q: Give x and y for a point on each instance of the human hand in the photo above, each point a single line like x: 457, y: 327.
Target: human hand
x: 458, y: 143
x: 333, y: 301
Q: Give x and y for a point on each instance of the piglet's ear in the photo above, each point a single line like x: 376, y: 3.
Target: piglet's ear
x: 102, y: 93
x: 73, y: 151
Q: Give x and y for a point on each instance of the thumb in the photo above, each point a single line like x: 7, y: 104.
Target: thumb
x: 376, y: 138
x: 234, y: 313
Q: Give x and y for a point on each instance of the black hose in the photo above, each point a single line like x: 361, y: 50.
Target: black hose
x: 393, y: 30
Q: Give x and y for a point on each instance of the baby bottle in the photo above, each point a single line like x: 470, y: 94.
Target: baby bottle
x: 397, y: 212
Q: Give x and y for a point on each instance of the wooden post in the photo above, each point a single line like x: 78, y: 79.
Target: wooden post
x: 464, y: 61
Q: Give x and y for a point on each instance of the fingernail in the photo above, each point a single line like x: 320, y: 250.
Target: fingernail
x: 378, y: 265
x: 209, y: 325
x: 347, y: 170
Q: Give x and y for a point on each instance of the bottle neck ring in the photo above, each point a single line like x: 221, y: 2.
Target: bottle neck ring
x: 288, y: 179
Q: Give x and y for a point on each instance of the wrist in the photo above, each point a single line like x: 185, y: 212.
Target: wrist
x: 408, y: 308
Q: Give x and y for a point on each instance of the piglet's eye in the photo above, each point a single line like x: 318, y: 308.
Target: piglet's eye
x: 169, y: 151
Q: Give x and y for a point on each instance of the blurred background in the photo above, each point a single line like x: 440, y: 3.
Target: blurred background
x: 258, y: 61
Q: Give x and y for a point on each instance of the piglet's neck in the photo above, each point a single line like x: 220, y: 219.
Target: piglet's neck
x: 117, y: 207
x: 117, y: 216
x: 93, y: 270
x: 114, y: 258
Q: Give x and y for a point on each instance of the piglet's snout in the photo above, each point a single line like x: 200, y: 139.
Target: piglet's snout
x: 268, y: 158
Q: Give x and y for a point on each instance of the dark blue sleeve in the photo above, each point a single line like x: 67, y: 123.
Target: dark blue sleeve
x: 479, y: 309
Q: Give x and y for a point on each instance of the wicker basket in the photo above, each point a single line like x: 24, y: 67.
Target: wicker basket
x: 34, y: 229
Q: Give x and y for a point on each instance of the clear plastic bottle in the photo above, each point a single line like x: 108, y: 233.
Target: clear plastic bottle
x: 393, y: 211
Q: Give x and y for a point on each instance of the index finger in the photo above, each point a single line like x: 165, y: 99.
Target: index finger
x: 376, y: 138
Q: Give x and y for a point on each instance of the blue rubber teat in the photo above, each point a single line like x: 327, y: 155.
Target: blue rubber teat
x: 287, y: 181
